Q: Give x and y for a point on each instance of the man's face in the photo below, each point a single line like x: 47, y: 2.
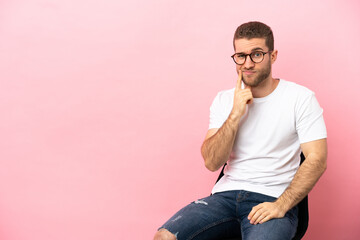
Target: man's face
x: 254, y: 74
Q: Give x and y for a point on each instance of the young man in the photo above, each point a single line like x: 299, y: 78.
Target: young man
x: 259, y: 128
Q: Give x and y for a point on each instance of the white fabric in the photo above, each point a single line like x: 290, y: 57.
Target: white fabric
x: 266, y: 152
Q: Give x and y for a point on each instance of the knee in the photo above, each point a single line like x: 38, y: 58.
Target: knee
x: 164, y: 234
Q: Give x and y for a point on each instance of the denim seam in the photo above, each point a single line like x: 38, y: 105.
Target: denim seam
x: 210, y: 226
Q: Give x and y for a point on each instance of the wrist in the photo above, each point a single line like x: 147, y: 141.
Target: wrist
x: 235, y: 117
x: 284, y: 206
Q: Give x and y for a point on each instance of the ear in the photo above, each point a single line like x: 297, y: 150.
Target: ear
x: 273, y: 56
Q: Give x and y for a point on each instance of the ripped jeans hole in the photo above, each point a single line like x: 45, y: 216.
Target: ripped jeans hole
x: 201, y: 202
x: 177, y: 218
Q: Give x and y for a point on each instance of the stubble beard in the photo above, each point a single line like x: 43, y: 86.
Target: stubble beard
x: 262, y: 75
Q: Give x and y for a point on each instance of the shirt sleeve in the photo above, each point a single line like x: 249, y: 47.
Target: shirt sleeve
x: 310, y: 124
x: 220, y: 109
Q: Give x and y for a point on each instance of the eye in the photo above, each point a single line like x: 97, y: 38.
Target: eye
x: 257, y: 54
x: 240, y: 55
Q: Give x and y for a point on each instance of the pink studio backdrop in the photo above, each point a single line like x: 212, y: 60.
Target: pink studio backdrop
x: 104, y: 106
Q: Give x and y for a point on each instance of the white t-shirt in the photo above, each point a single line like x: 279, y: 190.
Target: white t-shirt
x: 266, y: 152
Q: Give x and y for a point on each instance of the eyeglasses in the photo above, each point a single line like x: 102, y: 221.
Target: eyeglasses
x: 256, y: 57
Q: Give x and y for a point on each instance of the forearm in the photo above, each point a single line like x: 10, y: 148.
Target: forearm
x: 217, y: 149
x: 305, y: 179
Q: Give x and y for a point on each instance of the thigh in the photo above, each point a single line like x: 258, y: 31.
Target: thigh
x: 275, y: 229
x: 208, y: 218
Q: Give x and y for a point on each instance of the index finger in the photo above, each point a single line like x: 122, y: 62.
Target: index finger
x: 239, y: 83
x: 253, y: 211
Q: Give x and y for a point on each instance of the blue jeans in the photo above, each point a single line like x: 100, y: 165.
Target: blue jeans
x: 224, y: 215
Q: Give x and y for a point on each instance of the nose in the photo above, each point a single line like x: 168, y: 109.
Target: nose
x: 248, y: 62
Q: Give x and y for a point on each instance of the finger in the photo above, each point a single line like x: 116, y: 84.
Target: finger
x: 239, y: 81
x: 247, y: 99
x: 265, y: 219
x: 245, y: 93
x: 248, y: 88
x: 253, y: 211
x: 248, y: 96
x: 240, y: 75
x: 251, y: 214
x: 260, y: 218
x: 255, y: 218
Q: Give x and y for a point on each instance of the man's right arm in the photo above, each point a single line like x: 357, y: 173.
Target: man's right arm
x: 219, y: 142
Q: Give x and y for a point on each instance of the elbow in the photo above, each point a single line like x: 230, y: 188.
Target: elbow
x: 324, y: 167
x: 211, y: 167
x: 209, y: 163
x: 318, y: 162
x: 207, y: 160
x: 323, y: 163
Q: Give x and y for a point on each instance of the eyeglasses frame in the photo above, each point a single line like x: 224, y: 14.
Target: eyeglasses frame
x: 246, y: 55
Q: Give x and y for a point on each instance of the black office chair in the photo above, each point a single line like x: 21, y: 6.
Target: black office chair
x: 303, y: 214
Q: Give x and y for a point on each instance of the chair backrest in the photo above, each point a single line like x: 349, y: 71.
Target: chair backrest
x: 303, y: 208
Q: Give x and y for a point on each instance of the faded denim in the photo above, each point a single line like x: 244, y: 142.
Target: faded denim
x: 224, y: 215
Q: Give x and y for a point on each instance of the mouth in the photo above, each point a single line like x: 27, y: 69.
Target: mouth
x: 248, y: 72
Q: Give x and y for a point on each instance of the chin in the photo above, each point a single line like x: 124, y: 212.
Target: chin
x: 249, y: 82
x: 252, y: 82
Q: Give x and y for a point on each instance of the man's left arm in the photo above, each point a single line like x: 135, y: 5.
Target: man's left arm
x: 308, y: 174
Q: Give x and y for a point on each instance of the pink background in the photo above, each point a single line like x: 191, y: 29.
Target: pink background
x: 104, y: 106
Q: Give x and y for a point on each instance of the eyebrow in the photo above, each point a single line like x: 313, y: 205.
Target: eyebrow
x: 252, y: 50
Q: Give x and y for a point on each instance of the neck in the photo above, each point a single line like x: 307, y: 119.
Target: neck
x: 265, y: 88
